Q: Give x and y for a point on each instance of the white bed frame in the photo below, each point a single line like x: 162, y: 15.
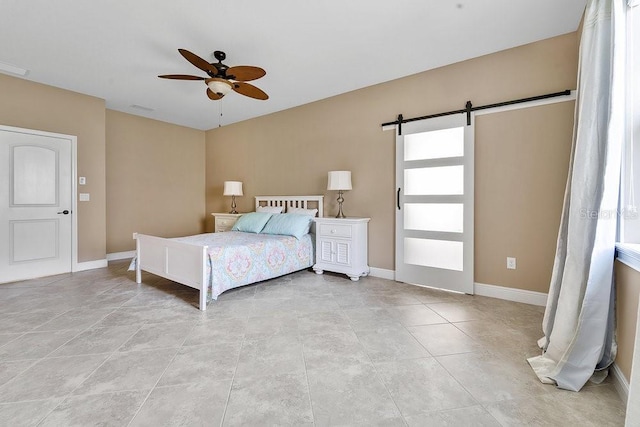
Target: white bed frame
x: 186, y: 263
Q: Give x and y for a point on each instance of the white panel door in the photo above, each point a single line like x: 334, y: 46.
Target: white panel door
x: 434, y: 215
x: 35, y: 204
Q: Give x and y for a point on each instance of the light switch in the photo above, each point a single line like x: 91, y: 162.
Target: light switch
x: 84, y: 197
x: 82, y: 180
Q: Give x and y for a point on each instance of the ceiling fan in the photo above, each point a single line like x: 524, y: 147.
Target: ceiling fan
x: 222, y: 79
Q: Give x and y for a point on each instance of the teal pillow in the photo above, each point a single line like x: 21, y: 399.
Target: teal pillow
x: 252, y: 222
x: 289, y: 225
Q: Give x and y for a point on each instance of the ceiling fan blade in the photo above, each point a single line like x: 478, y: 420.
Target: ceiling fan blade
x: 212, y: 95
x: 249, y: 90
x: 197, y: 61
x: 245, y: 73
x: 181, y: 77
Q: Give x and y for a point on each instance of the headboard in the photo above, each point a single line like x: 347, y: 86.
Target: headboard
x: 304, y: 202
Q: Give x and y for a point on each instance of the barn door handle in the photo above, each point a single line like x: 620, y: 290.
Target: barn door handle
x: 398, y: 198
x: 64, y: 212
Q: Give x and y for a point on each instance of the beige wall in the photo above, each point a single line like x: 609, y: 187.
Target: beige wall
x: 155, y: 179
x: 522, y: 161
x: 35, y: 106
x: 291, y: 151
x: 628, y: 292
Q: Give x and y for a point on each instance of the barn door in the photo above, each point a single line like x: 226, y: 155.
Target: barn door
x: 434, y: 213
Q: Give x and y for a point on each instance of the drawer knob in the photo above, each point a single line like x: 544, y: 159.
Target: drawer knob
x: 333, y: 231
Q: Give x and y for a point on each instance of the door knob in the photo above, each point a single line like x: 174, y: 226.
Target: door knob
x: 64, y: 212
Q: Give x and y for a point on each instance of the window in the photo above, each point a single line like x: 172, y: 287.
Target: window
x: 629, y: 232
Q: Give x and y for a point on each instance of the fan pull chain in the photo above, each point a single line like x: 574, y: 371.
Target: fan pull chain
x: 220, y: 116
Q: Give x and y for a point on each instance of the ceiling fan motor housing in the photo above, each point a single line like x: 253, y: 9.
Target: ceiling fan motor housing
x: 222, y: 69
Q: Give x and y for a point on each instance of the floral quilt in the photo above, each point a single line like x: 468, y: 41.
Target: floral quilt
x: 238, y: 259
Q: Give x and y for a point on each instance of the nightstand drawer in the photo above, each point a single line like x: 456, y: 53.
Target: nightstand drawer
x: 335, y: 230
x: 225, y: 222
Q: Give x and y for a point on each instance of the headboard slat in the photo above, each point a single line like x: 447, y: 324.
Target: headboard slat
x: 304, y: 202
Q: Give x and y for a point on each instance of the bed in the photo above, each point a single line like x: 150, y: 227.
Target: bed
x: 216, y: 262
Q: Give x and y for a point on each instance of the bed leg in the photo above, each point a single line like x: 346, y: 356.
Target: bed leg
x: 138, y: 271
x: 204, y: 257
x: 203, y: 299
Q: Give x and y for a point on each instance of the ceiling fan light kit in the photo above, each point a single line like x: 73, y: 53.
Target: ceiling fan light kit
x: 219, y: 86
x: 223, y: 79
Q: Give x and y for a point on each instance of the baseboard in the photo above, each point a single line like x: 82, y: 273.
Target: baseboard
x: 90, y: 265
x: 510, y: 294
x: 382, y: 273
x: 619, y: 382
x: 120, y: 255
x: 493, y: 291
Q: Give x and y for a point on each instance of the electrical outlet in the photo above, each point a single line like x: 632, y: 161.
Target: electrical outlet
x: 511, y: 263
x: 82, y: 180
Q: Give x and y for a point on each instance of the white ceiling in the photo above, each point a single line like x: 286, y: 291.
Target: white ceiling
x: 311, y: 49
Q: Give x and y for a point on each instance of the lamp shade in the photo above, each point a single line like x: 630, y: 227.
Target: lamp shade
x: 339, y: 180
x: 232, y: 188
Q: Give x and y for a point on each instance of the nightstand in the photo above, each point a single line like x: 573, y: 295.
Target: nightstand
x: 224, y: 221
x: 341, y: 246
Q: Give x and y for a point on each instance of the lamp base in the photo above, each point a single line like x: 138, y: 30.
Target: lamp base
x: 340, y: 200
x: 233, y: 205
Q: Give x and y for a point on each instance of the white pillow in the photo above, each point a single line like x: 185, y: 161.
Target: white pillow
x: 302, y: 211
x: 270, y: 209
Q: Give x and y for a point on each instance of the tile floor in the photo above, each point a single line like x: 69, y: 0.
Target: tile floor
x: 94, y: 348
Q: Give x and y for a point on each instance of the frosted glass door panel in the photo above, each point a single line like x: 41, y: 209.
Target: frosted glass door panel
x: 445, y: 217
x: 434, y: 253
x: 436, y: 144
x: 436, y: 181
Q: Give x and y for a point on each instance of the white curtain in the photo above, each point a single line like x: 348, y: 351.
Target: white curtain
x: 579, y: 322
